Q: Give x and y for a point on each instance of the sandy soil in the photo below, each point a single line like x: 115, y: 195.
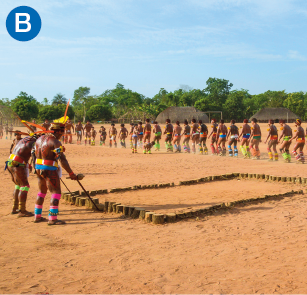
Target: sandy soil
x: 254, y: 249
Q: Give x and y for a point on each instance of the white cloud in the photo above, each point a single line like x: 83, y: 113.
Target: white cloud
x: 295, y: 55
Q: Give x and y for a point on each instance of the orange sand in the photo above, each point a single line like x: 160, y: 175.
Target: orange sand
x: 253, y: 249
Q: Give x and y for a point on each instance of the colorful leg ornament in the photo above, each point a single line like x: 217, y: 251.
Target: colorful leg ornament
x: 230, y: 151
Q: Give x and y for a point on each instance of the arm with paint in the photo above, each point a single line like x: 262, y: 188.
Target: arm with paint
x: 269, y: 134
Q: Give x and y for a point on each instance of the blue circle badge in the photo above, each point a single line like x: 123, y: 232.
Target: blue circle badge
x: 23, y: 23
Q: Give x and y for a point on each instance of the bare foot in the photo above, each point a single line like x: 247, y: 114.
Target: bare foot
x: 25, y: 214
x: 56, y: 222
x: 15, y: 211
x: 40, y: 219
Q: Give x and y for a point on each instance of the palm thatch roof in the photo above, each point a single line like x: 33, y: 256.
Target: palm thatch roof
x: 275, y: 114
x: 182, y: 113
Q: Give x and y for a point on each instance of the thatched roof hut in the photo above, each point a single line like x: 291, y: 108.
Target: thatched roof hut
x: 182, y: 113
x: 275, y: 114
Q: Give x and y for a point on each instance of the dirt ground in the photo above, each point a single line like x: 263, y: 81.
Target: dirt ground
x: 252, y: 249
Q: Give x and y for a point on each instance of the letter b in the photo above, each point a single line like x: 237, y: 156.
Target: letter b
x: 18, y: 22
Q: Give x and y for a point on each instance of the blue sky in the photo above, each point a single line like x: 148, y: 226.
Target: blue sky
x: 257, y: 45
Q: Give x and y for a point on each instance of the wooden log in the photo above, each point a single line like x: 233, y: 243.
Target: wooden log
x: 142, y: 213
x: 77, y: 200
x: 170, y: 217
x: 298, y: 180
x: 148, y: 216
x: 245, y: 175
x: 158, y: 218
x: 181, y: 215
x: 242, y: 175
x: 92, y: 193
x: 293, y: 179
x: 304, y: 180
x: 283, y: 179
x: 126, y: 210
x: 100, y: 207
x: 82, y: 201
x: 84, y: 194
x: 106, y: 206
x: 267, y: 177
x: 73, y: 200
x: 250, y: 176
x: 236, y: 174
x: 255, y: 176
x: 288, y: 179
x: 258, y: 176
x: 136, y: 213
x: 262, y: 176
x: 110, y: 207
x: 172, y: 184
x: 119, y: 208
x: 114, y: 207
x: 131, y: 209
x: 278, y: 178
x: 76, y: 193
x: 273, y: 178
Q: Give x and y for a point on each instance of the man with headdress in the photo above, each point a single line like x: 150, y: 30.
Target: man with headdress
x: 299, y: 135
x: 286, y: 135
x: 18, y: 165
x: 273, y: 136
x: 48, y: 151
x: 46, y: 124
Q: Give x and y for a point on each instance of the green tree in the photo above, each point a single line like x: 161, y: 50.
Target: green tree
x: 80, y: 98
x: 99, y: 112
x: 59, y: 99
x: 296, y: 103
x: 26, y: 110
x: 49, y: 112
x: 234, y: 106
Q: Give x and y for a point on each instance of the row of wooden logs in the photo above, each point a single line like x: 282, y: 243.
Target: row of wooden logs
x: 155, y: 218
x: 298, y: 180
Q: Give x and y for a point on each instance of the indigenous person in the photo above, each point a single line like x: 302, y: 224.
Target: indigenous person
x: 255, y: 139
x: 221, y: 138
x: 130, y: 133
x: 148, y: 146
x: 135, y: 133
x: 203, y: 133
x: 273, y: 136
x: 112, y: 135
x: 169, y: 132
x: 46, y: 124
x: 147, y: 130
x: 233, y: 136
x: 6, y: 128
x: 158, y: 133
x: 48, y: 151
x: 10, y: 130
x: 123, y: 133
x: 195, y: 135
x: 15, y: 140
x: 286, y: 135
x: 213, y: 133
x: 88, y: 127
x: 1, y: 131
x: 299, y: 135
x: 68, y: 134
x: 103, y: 135
x: 245, y: 134
x: 79, y: 130
x: 187, y: 135
x: 18, y: 165
x: 140, y: 134
x: 177, y: 137
x: 93, y: 135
